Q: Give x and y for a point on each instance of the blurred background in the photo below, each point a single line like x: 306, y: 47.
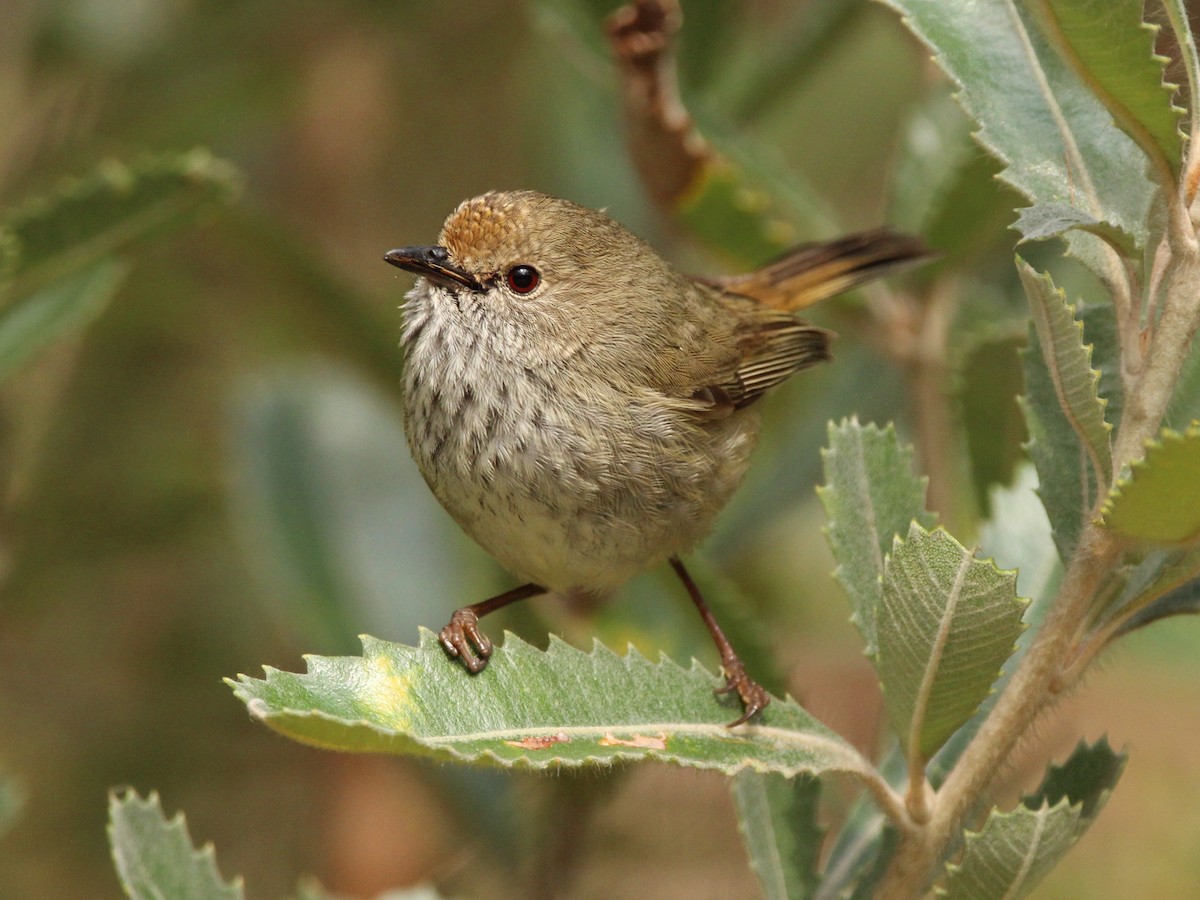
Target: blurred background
x: 212, y: 475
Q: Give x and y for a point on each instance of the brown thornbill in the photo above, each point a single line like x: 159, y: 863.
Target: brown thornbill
x: 582, y: 409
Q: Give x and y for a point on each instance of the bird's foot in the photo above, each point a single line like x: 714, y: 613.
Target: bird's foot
x: 463, y: 640
x: 753, y: 695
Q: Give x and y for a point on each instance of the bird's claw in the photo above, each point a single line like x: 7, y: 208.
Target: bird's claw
x: 753, y: 696
x: 463, y: 640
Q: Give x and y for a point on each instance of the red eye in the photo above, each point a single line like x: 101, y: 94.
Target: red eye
x: 522, y: 279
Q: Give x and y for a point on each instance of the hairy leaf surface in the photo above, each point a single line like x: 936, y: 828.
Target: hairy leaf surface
x: 1112, y: 50
x: 1015, y: 850
x: 870, y: 495
x: 537, y: 709
x: 1037, y: 116
x: 1069, y: 365
x: 947, y: 623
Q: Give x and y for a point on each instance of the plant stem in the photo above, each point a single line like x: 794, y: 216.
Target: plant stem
x: 1170, y: 342
x: 1047, y: 670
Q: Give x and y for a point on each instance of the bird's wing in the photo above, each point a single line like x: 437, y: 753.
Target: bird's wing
x: 734, y: 350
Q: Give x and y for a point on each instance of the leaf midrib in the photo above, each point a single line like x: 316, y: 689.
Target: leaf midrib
x: 936, y: 654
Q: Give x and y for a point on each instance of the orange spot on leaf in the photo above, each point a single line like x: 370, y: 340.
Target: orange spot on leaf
x: 644, y: 741
x: 539, y: 742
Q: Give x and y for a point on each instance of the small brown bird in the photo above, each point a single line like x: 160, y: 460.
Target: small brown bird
x: 581, y: 408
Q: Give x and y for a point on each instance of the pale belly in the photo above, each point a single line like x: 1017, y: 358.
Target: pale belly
x: 568, y: 494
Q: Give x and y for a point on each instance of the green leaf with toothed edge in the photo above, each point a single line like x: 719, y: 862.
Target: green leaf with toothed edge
x: 1015, y: 850
x: 1012, y: 852
x: 1018, y: 538
x: 537, y: 709
x: 1087, y: 778
x: 1066, y: 478
x: 1159, y: 499
x: 777, y: 817
x: 870, y: 495
x: 1069, y: 365
x: 155, y: 857
x: 1112, y: 49
x: 1049, y: 220
x: 947, y: 624
x: 1053, y: 134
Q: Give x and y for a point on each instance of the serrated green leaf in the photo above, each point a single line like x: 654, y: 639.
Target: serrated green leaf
x: 90, y: 218
x: 33, y: 323
x: 536, y: 709
x: 1112, y: 50
x: 155, y: 857
x: 1178, y: 15
x: 870, y: 495
x: 1085, y: 780
x: 1069, y: 365
x: 1066, y: 476
x: 1100, y: 332
x: 1035, y: 114
x: 947, y: 623
x: 1015, y: 850
x: 777, y: 817
x: 1159, y: 499
x: 1012, y: 852
x: 1018, y: 538
x: 1050, y: 220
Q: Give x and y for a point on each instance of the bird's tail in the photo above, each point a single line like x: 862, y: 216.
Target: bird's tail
x: 813, y: 272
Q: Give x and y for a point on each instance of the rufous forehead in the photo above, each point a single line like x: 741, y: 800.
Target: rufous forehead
x: 484, y: 229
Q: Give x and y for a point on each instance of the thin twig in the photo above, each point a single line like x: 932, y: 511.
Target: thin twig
x: 667, y: 149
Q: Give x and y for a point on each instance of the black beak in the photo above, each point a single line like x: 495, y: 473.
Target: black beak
x: 433, y: 263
